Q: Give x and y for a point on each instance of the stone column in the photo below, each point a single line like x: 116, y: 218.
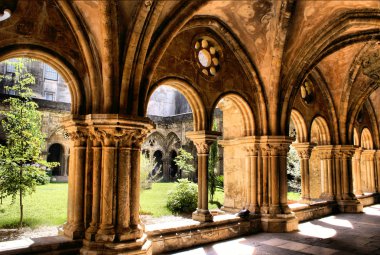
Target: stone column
x: 377, y: 171
x: 74, y: 228
x: 347, y: 201
x: 304, y: 152
x: 252, y: 148
x: 325, y: 153
x: 280, y: 218
x: 96, y: 187
x: 202, y: 140
x: 368, y: 156
x: 116, y: 146
x: 356, y: 169
x: 166, y: 167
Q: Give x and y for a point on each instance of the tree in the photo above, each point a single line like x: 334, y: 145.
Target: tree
x: 21, y: 164
x: 293, y: 170
x: 184, y: 161
x: 212, y: 165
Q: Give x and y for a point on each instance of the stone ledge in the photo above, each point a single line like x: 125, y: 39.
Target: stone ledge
x: 369, y: 199
x: 42, y: 245
x: 316, y: 210
x: 183, y: 234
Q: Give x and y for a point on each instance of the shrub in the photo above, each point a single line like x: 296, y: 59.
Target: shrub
x: 146, y: 175
x: 183, y: 198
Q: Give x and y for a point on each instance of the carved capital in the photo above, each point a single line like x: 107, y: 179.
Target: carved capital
x: 303, y: 149
x: 203, y: 139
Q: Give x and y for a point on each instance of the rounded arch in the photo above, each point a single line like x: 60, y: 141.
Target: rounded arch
x: 77, y: 90
x: 300, y: 126
x: 366, y: 139
x: 55, y: 154
x: 224, y: 33
x: 320, y: 132
x: 236, y: 101
x: 191, y: 95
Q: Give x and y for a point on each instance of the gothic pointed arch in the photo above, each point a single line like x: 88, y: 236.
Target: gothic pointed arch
x: 223, y: 33
x: 333, y: 36
x: 88, y: 51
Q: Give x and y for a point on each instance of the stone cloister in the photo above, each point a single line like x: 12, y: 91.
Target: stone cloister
x: 264, y: 64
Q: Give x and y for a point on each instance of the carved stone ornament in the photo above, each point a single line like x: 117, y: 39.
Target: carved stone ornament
x: 371, y: 64
x: 207, y: 54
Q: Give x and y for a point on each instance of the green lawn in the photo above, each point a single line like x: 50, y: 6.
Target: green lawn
x: 153, y: 201
x: 47, y: 207
x: 293, y: 196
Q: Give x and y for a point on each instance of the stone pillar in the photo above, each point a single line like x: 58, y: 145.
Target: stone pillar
x: 368, y: 156
x: 280, y: 218
x: 74, y: 228
x: 96, y: 187
x: 66, y: 165
x: 202, y: 140
x: 112, y: 185
x: 304, y: 152
x: 347, y: 201
x: 325, y: 153
x: 166, y: 167
x: 356, y: 172
x: 377, y: 170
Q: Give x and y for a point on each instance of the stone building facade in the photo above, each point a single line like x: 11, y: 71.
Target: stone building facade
x: 52, y: 95
x: 314, y: 63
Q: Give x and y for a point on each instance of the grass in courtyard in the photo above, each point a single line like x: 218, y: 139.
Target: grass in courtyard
x: 293, y: 196
x: 46, y: 207
x: 153, y: 201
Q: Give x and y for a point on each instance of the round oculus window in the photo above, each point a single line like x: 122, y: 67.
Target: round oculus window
x: 204, y: 58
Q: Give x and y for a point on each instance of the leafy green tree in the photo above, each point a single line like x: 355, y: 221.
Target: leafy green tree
x: 184, y: 161
x: 21, y: 164
x: 293, y: 170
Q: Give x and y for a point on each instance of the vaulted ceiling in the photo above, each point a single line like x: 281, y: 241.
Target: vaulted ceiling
x: 115, y: 47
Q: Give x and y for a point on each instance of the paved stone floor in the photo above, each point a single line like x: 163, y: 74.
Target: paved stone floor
x: 338, y: 234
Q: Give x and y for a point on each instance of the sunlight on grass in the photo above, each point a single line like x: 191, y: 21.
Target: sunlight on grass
x: 153, y: 201
x: 46, y: 207
x: 293, y: 196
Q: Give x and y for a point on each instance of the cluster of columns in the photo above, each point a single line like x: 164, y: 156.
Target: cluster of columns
x: 103, y: 199
x: 366, y: 166
x: 266, y: 178
x: 339, y: 169
x: 104, y: 181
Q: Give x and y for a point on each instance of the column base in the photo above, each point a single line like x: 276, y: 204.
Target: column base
x: 140, y: 246
x: 105, y: 235
x: 127, y: 234
x: 327, y: 197
x: 279, y: 223
x: 90, y: 233
x: 350, y: 206
x: 202, y: 216
x: 73, y: 231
